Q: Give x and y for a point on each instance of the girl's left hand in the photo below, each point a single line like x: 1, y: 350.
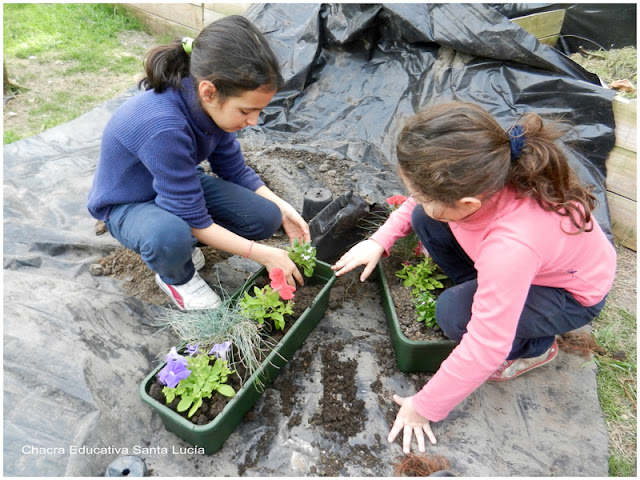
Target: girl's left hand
x: 411, y: 423
x: 294, y: 225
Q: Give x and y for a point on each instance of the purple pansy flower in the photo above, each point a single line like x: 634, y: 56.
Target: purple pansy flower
x: 193, y: 349
x: 220, y: 350
x: 172, y: 373
x: 174, y: 356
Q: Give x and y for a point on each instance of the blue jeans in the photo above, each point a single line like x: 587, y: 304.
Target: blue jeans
x: 164, y: 240
x: 547, y: 311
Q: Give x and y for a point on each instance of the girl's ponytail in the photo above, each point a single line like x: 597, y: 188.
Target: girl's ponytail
x: 165, y: 66
x: 454, y: 150
x: 541, y: 171
x: 231, y: 53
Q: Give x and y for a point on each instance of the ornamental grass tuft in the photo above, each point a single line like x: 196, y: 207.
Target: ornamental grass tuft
x: 223, y: 324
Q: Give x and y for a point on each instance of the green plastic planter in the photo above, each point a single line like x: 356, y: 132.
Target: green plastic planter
x: 411, y: 355
x: 212, y: 436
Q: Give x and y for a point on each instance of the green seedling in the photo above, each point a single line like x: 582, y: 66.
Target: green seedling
x: 421, y: 277
x: 425, y: 305
x: 265, y: 303
x: 204, y: 379
x: 303, y: 255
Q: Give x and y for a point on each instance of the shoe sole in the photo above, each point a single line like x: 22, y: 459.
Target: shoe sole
x: 546, y: 362
x: 168, y: 292
x: 198, y: 259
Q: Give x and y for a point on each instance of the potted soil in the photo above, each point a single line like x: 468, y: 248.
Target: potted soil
x: 211, y: 436
x: 410, y: 284
x: 411, y: 355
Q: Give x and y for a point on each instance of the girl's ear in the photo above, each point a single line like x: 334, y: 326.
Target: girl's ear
x: 207, y: 91
x: 473, y: 203
x: 470, y: 204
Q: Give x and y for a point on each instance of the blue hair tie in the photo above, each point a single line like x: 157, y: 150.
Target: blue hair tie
x: 516, y: 140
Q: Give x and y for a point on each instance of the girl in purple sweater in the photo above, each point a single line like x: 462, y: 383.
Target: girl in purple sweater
x: 149, y: 187
x: 505, y: 217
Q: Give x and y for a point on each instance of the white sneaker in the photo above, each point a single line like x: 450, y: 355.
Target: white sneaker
x: 197, y: 257
x: 193, y: 295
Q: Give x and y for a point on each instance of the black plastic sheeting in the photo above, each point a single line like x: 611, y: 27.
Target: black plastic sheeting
x: 355, y: 72
x: 76, y: 348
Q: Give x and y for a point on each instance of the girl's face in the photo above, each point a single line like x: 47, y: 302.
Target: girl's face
x: 460, y: 210
x: 236, y: 112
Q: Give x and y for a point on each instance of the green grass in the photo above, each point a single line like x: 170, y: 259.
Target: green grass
x: 9, y: 137
x: 611, y: 65
x: 86, y: 33
x: 615, y: 331
x: 65, y: 55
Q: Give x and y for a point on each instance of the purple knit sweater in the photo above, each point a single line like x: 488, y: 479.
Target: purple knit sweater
x: 151, y: 147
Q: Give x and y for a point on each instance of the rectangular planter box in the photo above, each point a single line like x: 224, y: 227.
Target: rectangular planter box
x: 411, y: 355
x: 212, y: 436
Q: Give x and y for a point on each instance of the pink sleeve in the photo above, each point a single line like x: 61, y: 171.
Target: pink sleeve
x: 398, y: 225
x: 505, y: 273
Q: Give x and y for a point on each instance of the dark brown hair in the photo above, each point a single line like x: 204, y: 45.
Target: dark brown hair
x: 455, y: 150
x: 231, y: 53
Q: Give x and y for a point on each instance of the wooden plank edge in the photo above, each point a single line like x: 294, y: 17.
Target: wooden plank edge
x: 623, y: 214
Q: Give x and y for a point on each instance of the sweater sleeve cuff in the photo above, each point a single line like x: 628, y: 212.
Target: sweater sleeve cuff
x: 384, y: 241
x: 203, y: 223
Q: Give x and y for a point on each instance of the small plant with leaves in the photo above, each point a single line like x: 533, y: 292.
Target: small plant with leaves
x: 303, y: 255
x: 425, y: 305
x: 269, y: 302
x: 421, y: 277
x: 196, y: 377
x: 220, y: 325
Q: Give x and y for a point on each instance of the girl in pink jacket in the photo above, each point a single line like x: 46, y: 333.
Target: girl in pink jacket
x: 505, y: 217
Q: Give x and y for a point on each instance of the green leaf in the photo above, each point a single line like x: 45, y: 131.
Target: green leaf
x: 226, y: 390
x: 184, y: 404
x: 169, y: 393
x: 195, y: 407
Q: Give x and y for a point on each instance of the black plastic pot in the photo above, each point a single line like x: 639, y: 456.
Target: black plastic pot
x: 315, y: 199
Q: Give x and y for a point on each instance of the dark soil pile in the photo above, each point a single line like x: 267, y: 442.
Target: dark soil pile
x: 342, y: 411
x: 136, y: 278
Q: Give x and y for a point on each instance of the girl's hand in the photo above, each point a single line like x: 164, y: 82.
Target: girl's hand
x: 411, y: 423
x: 366, y: 253
x: 294, y: 225
x: 272, y: 257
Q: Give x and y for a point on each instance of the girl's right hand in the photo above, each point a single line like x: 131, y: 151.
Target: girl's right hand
x: 366, y: 253
x: 272, y: 257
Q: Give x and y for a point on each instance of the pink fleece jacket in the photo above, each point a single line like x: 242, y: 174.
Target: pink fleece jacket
x: 514, y: 244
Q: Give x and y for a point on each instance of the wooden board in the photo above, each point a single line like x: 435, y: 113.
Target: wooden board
x: 545, y: 26
x: 157, y: 24
x: 186, y: 14
x: 623, y: 220
x: 226, y: 8
x: 622, y: 173
x: 625, y: 114
x: 177, y: 19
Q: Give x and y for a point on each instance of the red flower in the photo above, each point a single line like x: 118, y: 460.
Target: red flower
x: 279, y: 283
x: 396, y: 200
